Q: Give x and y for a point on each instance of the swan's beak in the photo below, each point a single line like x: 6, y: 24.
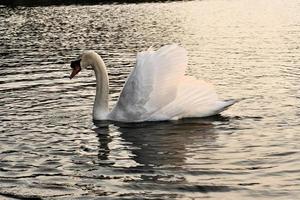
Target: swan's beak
x: 75, y: 65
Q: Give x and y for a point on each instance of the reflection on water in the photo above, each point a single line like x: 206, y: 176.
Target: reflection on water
x: 50, y: 149
x: 155, y: 144
x: 158, y: 153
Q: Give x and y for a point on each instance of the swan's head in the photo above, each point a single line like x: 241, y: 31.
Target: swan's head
x: 86, y: 59
x: 76, y: 67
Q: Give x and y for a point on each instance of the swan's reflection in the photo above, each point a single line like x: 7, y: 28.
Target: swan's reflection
x: 157, y: 144
x: 104, y: 139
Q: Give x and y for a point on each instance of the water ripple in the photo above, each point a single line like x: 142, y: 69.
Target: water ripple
x: 51, y: 149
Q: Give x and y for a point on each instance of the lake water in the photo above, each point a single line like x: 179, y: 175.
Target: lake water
x: 50, y: 148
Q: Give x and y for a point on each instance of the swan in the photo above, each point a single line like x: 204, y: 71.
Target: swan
x: 157, y: 89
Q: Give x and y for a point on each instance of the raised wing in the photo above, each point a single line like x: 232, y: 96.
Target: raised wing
x: 152, y: 84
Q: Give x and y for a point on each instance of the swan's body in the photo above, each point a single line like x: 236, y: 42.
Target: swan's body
x: 156, y: 89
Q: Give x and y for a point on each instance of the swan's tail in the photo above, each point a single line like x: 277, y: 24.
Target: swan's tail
x: 225, y: 104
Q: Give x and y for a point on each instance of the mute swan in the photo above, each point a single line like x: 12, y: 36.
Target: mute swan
x: 156, y: 89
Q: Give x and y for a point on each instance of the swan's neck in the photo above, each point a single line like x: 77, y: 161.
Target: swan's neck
x: 100, y: 109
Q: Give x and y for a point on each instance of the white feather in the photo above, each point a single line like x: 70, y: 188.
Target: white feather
x: 157, y: 89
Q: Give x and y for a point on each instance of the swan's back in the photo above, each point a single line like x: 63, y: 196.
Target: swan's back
x: 157, y: 89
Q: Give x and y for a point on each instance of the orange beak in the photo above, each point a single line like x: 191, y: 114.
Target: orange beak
x: 75, y: 71
x: 75, y: 65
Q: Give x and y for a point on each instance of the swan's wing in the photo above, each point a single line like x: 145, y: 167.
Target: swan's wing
x: 152, y: 84
x: 195, y: 98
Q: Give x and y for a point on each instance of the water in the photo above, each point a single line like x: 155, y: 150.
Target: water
x: 50, y: 148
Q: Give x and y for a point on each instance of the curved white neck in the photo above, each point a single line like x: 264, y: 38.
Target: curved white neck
x: 100, y: 109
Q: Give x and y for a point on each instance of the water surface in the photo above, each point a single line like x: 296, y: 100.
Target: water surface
x: 50, y: 148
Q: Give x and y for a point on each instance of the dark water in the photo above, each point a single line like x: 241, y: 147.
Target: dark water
x: 50, y: 148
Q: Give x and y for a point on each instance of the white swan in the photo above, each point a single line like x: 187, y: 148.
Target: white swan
x: 156, y: 89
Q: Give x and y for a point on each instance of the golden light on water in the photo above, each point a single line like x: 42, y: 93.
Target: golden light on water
x: 49, y: 147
